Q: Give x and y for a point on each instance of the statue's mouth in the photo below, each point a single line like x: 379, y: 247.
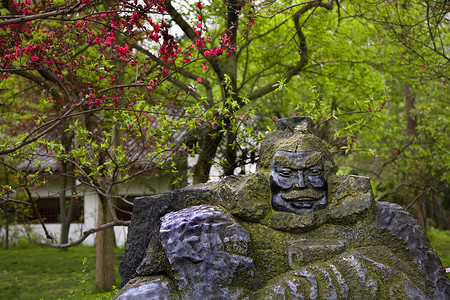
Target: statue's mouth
x: 303, y: 203
x: 302, y: 198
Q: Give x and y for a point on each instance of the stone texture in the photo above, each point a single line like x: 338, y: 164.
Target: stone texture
x: 143, y: 254
x: 303, y: 252
x: 402, y: 225
x: 209, y: 253
x: 347, y: 276
x: 146, y: 288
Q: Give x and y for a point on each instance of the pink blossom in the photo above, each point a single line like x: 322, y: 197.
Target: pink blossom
x: 199, y: 5
x: 35, y: 58
x: 199, y: 80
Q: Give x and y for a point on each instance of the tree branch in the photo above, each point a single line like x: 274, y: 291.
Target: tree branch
x: 187, y: 29
x: 89, y: 232
x: 18, y: 19
x: 303, y: 51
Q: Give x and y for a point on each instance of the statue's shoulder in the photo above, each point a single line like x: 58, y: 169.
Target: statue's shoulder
x: 401, y: 224
x: 398, y: 222
x: 350, y: 196
x: 246, y: 197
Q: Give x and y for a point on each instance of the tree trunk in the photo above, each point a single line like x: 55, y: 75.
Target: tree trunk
x: 7, y: 233
x: 203, y: 166
x: 105, y: 243
x: 411, y: 131
x: 7, y: 211
x: 324, y: 131
x: 230, y: 155
x: 105, y: 240
x: 65, y: 223
x: 411, y: 121
x: 66, y: 214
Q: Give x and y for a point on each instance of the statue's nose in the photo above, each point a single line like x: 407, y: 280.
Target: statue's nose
x: 300, y: 182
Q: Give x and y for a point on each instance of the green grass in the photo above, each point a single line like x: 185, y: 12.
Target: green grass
x: 440, y: 239
x: 47, y: 273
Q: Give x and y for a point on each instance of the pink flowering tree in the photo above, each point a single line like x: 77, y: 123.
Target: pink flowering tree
x: 115, y: 89
x: 102, y: 99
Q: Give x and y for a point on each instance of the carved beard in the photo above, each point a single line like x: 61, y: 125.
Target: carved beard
x: 297, y: 201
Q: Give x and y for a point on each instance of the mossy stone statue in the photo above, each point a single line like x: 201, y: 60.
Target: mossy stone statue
x: 292, y: 230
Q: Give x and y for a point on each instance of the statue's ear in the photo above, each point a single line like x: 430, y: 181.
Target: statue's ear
x: 328, y: 167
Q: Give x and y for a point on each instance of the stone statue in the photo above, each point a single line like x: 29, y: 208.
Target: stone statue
x: 292, y: 230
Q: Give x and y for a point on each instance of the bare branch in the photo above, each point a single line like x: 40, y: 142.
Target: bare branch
x: 414, y: 200
x: 6, y: 199
x: 32, y: 136
x: 19, y: 19
x: 393, y: 191
x: 89, y: 232
x: 38, y: 214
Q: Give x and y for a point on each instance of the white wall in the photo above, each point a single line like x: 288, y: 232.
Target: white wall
x: 142, y: 186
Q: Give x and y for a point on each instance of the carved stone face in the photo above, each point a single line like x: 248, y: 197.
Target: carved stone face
x: 297, y: 182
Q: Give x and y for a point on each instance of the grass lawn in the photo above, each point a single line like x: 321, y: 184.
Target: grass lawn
x: 440, y: 239
x: 47, y: 273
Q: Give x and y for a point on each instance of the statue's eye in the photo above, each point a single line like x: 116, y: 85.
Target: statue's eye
x: 315, y: 172
x: 285, y: 172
